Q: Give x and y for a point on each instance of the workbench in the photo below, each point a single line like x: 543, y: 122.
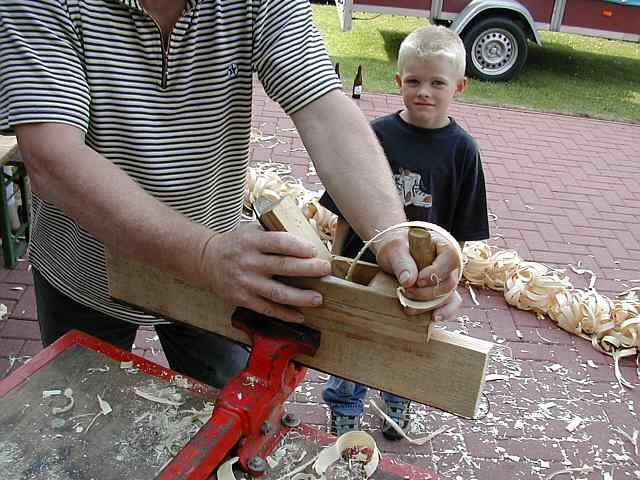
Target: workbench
x: 139, y: 439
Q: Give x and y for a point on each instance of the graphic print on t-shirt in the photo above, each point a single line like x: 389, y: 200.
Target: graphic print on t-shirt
x: 409, y: 185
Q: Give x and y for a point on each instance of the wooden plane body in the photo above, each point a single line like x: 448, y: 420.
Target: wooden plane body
x: 365, y: 335
x: 362, y: 309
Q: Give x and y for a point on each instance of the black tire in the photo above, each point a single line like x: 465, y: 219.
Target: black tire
x: 496, y: 49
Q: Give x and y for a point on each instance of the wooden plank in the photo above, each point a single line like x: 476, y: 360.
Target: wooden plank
x: 363, y: 312
x: 285, y: 216
x: 447, y: 373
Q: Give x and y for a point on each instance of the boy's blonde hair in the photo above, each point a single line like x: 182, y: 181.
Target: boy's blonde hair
x: 433, y: 41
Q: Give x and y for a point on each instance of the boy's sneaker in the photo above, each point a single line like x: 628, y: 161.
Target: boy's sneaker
x: 398, y: 410
x: 343, y: 423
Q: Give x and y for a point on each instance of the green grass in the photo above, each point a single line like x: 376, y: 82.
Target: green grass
x: 569, y: 74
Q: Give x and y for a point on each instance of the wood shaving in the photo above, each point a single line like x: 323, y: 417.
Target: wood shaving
x: 50, y: 393
x: 474, y: 299
x: 612, y: 325
x: 225, y: 471
x: 171, y: 399
x: 542, y: 338
x: 276, y: 182
x: 582, y: 271
x: 632, y: 438
x: 573, y: 424
x: 98, y: 369
x: 396, y: 427
x: 584, y: 469
x: 494, y: 376
x: 105, y: 408
x: 58, y: 410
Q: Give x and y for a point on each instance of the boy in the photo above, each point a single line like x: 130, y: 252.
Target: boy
x: 438, y: 173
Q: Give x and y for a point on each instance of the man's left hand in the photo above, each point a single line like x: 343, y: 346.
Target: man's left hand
x: 436, y: 280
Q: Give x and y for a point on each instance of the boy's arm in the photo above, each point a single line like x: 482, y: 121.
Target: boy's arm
x: 471, y: 220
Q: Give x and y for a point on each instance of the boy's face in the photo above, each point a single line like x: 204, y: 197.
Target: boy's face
x: 427, y: 87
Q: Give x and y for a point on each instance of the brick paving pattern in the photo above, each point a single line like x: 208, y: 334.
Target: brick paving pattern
x: 564, y: 190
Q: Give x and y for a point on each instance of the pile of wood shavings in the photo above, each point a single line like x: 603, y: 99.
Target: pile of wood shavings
x: 612, y: 326
x: 275, y: 181
x: 164, y: 427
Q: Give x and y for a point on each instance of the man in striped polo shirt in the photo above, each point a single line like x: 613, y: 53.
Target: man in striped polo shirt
x: 133, y: 118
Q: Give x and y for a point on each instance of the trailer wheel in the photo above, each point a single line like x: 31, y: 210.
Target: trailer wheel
x: 496, y: 49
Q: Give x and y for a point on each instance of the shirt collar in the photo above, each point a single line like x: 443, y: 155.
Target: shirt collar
x: 137, y: 4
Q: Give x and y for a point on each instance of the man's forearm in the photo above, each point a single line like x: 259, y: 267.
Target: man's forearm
x: 350, y: 163
x: 107, y: 202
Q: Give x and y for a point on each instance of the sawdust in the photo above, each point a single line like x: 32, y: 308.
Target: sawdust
x: 344, y: 469
x: 289, y: 454
x: 11, y: 465
x: 162, y: 429
x: 10, y: 453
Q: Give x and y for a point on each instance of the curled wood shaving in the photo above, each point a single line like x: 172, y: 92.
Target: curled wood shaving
x: 69, y: 394
x: 225, y: 471
x: 175, y: 401
x: 612, y: 325
x: 476, y: 258
x: 396, y: 427
x: 582, y: 271
x: 105, y: 409
x: 275, y: 182
x: 632, y: 438
x: 584, y: 469
x: 533, y: 287
x: 501, y: 264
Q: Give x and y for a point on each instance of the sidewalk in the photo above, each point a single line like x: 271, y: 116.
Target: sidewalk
x: 564, y: 190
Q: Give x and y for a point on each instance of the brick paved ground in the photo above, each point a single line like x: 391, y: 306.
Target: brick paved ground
x: 563, y: 189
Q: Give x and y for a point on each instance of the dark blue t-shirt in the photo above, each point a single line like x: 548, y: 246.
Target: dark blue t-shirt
x: 439, y: 177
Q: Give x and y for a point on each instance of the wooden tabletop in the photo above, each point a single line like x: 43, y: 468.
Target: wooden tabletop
x: 8, y: 148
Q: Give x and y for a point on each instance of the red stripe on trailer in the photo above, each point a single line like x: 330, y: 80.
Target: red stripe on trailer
x: 591, y: 14
x: 410, y: 4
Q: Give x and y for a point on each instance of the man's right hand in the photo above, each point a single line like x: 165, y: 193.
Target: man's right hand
x: 239, y: 267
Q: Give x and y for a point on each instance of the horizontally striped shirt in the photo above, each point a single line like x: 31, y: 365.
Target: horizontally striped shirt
x: 177, y: 121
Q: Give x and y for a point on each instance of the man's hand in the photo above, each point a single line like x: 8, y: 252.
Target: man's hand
x: 436, y: 280
x: 239, y: 266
